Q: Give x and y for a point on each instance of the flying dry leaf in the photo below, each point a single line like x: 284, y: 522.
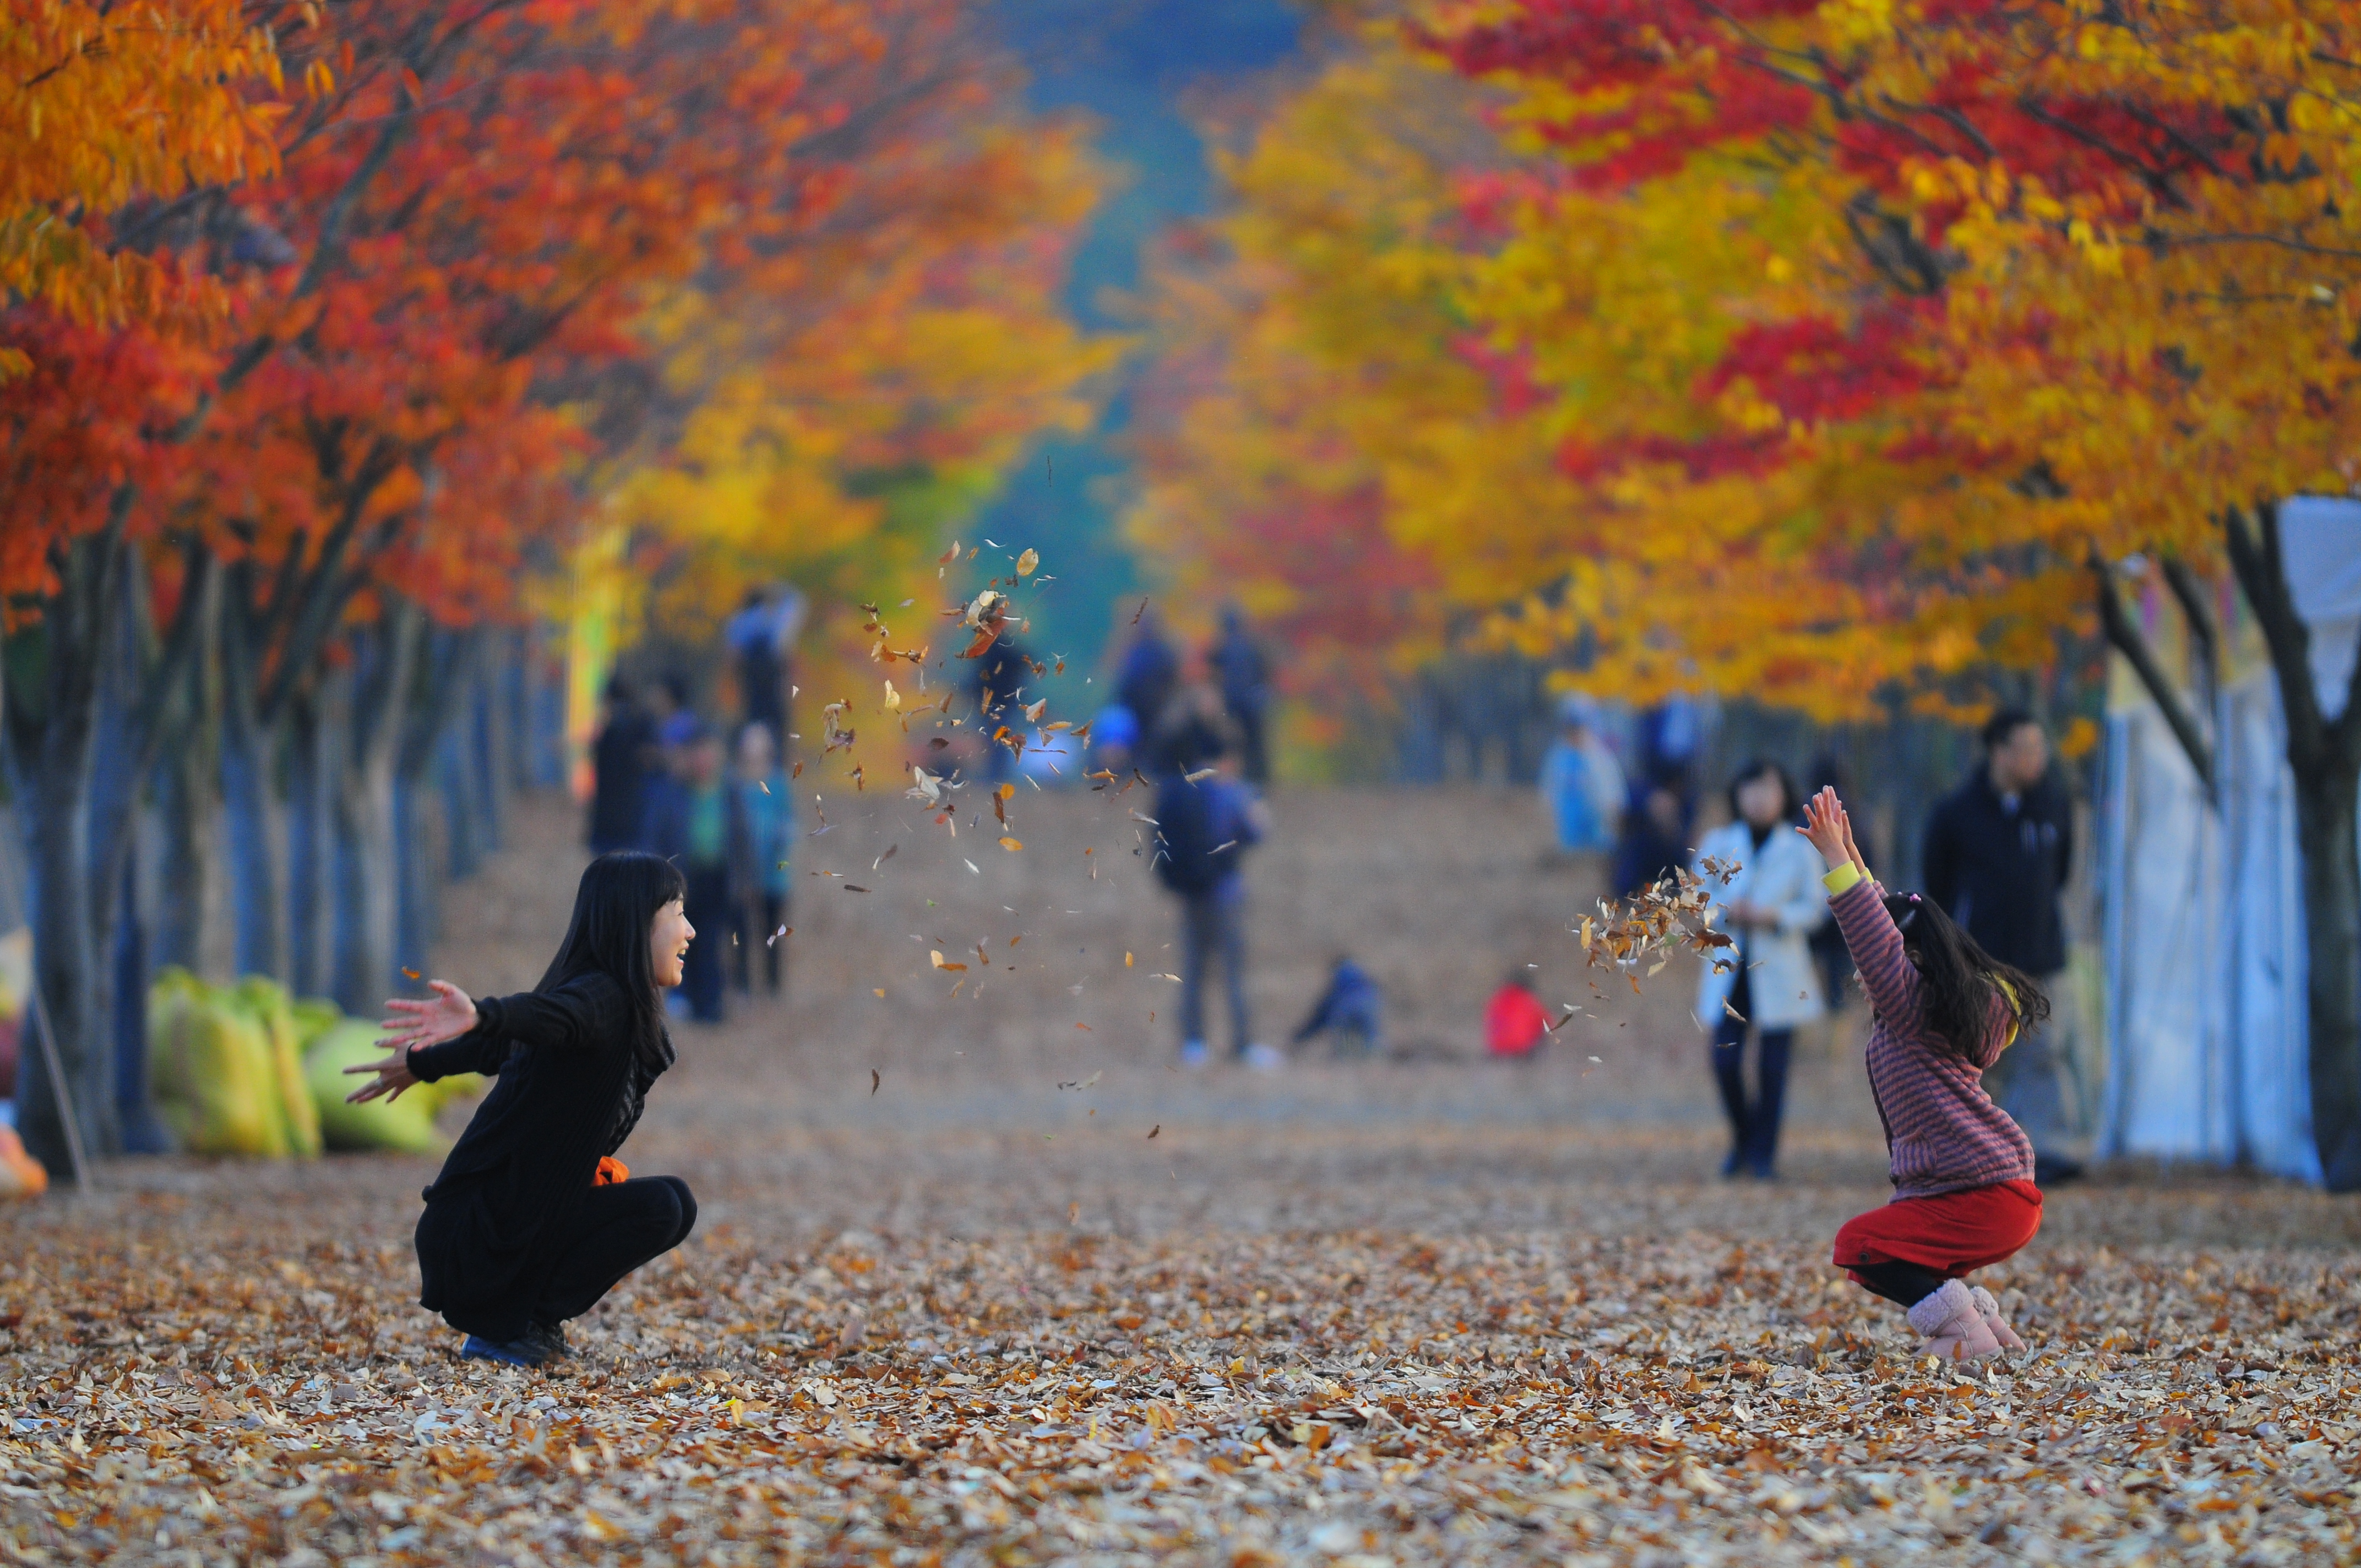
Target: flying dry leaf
x: 1026, y: 563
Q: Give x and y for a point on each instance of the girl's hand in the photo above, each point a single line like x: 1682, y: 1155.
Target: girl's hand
x: 393, y: 1076
x: 1853, y: 850
x: 446, y: 1015
x: 1826, y: 826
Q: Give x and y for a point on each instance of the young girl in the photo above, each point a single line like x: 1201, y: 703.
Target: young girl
x: 1962, y: 1171
x: 531, y: 1221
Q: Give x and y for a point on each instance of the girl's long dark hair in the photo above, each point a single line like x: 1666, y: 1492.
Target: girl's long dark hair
x: 1958, y: 981
x: 614, y: 908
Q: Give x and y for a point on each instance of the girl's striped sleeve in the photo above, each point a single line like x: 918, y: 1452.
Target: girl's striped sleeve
x: 1876, y: 945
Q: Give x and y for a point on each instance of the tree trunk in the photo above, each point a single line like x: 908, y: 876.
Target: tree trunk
x: 2325, y: 755
x: 50, y: 704
x: 254, y: 908
x: 2325, y: 795
x: 127, y: 1020
x: 363, y: 810
x: 185, y: 807
x: 487, y: 762
x: 444, y: 665
x: 185, y: 766
x: 312, y: 723
x: 53, y: 815
x: 516, y: 709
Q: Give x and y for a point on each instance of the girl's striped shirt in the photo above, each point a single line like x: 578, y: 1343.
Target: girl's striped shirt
x: 1942, y: 1132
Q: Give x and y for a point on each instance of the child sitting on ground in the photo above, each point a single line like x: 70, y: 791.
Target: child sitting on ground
x: 1963, y: 1170
x: 1515, y: 1022
x: 1350, y: 1012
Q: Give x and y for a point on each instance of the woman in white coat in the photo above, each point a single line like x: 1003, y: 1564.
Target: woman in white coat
x: 1770, y: 908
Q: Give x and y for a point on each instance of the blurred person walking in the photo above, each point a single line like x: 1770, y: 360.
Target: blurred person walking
x: 1996, y: 856
x: 999, y: 675
x: 762, y: 639
x: 1205, y: 821
x: 697, y: 822
x: 1245, y: 676
x: 763, y: 882
x: 1655, y: 838
x: 621, y: 756
x: 1582, y: 785
x: 676, y: 721
x: 1149, y: 673
x: 1767, y: 984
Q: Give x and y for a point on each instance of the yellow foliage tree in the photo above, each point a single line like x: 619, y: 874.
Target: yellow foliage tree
x: 104, y: 104
x: 832, y: 401
x: 1848, y: 346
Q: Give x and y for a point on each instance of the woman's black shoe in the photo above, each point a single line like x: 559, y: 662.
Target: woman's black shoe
x: 551, y: 1338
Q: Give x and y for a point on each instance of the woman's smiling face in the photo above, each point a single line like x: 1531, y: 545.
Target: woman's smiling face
x: 668, y: 941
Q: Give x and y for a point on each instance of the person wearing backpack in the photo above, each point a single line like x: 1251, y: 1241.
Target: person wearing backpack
x: 1205, y: 821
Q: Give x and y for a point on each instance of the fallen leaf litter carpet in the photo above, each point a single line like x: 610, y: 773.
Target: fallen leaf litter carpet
x: 1419, y: 1312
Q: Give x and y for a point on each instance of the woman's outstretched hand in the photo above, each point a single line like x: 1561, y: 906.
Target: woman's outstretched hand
x: 1830, y: 830
x: 393, y: 1076
x: 446, y: 1015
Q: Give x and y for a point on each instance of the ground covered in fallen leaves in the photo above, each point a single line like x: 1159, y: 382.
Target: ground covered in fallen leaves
x: 1423, y: 1311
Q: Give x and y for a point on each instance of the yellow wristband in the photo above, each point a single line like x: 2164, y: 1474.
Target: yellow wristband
x: 1843, y: 877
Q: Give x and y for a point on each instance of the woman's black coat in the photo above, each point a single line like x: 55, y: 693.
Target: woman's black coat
x: 571, y: 1085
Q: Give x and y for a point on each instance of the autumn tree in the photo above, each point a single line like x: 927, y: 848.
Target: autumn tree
x: 442, y: 295
x: 107, y: 105
x: 1840, y: 350
x: 2072, y: 284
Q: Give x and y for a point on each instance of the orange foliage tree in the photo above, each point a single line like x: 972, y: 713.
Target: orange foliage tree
x: 449, y: 296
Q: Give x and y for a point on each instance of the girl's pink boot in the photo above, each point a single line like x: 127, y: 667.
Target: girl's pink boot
x: 1989, y: 1310
x: 1955, y: 1331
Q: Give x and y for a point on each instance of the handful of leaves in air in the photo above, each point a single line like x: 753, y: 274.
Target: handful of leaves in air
x: 1657, y: 921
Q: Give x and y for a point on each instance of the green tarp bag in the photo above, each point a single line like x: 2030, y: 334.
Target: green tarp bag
x: 266, y: 1002
x: 406, y: 1124
x: 211, y: 1072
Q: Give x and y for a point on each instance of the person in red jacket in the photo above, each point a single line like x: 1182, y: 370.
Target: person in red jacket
x: 1514, y: 1020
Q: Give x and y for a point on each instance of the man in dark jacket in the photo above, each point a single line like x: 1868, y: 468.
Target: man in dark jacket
x: 1997, y: 851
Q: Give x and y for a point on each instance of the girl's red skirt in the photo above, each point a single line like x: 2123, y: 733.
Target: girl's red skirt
x: 1951, y: 1234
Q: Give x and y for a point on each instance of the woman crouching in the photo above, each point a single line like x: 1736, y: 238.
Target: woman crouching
x: 532, y: 1220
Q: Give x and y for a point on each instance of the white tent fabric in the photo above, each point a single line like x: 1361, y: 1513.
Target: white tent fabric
x: 2204, y: 951
x: 2320, y: 539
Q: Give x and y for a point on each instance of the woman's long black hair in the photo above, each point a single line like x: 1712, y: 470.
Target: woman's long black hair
x: 1958, y: 981
x: 614, y: 909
